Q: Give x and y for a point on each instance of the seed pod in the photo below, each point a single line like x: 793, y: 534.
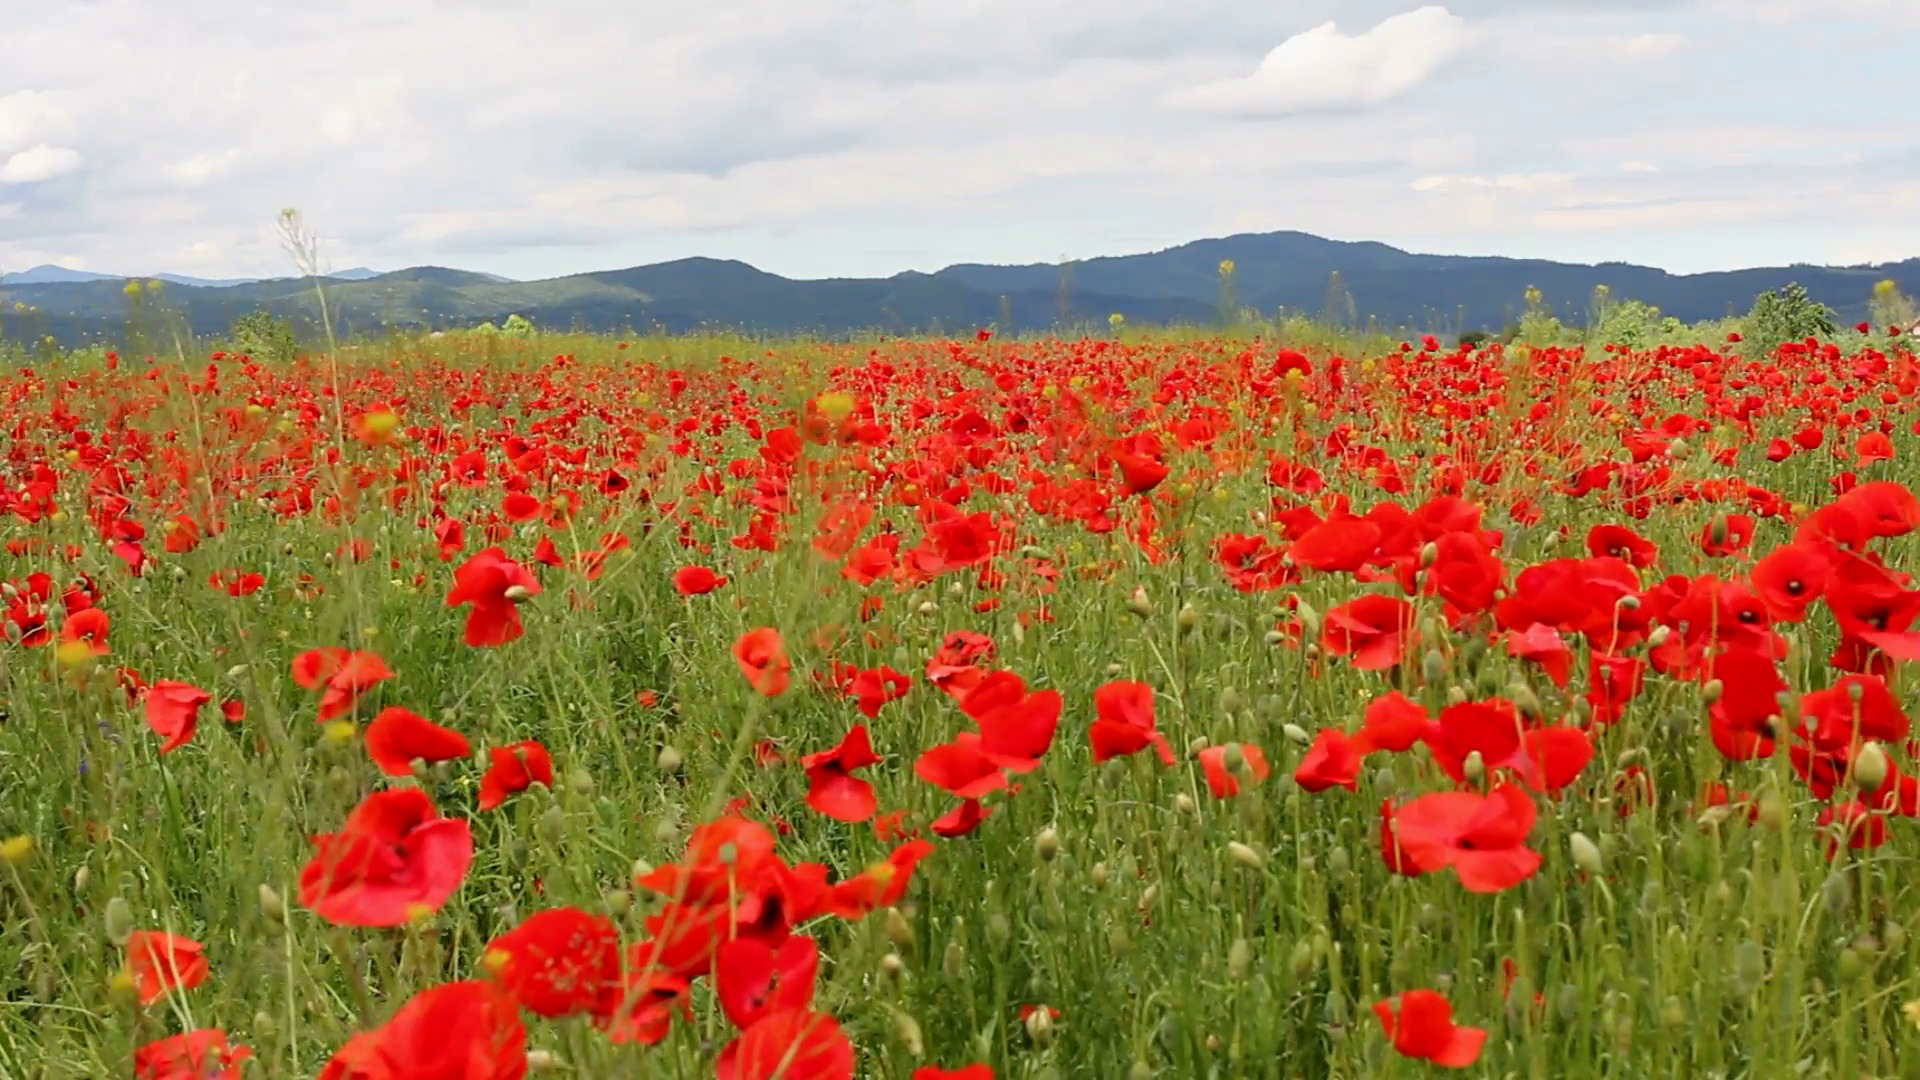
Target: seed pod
x: 1585, y: 855
x: 899, y: 930
x: 1138, y: 603
x: 1870, y: 766
x: 271, y: 903
x: 1047, y: 844
x: 1239, y: 959
x: 1245, y: 855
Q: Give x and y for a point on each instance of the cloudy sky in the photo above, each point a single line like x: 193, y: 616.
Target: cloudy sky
x: 860, y: 137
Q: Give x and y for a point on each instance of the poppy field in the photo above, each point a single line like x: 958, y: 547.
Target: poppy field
x: 479, y: 708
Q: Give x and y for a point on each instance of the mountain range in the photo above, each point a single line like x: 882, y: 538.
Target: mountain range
x: 1289, y: 271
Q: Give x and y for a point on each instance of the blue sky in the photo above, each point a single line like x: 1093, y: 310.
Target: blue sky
x: 861, y: 137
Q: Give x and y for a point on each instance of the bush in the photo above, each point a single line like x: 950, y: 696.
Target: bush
x: 263, y: 336
x: 1786, y: 314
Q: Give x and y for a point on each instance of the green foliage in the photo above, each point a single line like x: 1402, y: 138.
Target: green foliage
x: 1632, y: 323
x: 1783, y: 315
x: 263, y: 336
x: 518, y: 326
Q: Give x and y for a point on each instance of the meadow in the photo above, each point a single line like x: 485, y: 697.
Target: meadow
x: 478, y: 707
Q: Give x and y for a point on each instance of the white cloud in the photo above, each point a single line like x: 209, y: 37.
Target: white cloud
x: 201, y: 168
x: 1522, y: 182
x: 832, y: 135
x: 38, y: 163
x: 24, y: 116
x: 1324, y: 70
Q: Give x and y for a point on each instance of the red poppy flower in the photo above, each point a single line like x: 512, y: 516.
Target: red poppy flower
x: 1125, y: 723
x: 696, y: 581
x: 1420, y: 1023
x: 340, y: 676
x: 832, y: 789
x: 398, y: 737
x: 1332, y: 761
x: 194, y: 1055
x: 396, y: 858
x: 788, y: 1044
x: 558, y: 962
x: 513, y: 769
x: 1483, y: 838
x: 965, y: 1072
x: 160, y: 962
x: 1393, y: 722
x: 1375, y: 630
x: 496, y: 586
x: 173, y: 711
x: 1222, y: 780
x: 459, y: 1031
x: 753, y: 978
x: 1016, y: 726
x: 762, y: 657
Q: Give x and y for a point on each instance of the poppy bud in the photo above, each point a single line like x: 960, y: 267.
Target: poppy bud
x: 1894, y: 937
x: 891, y: 966
x: 1272, y: 638
x: 1870, y: 767
x: 1114, y: 670
x: 1140, y: 1071
x: 1658, y: 636
x: 999, y: 931
x: 1296, y: 733
x: 1183, y: 803
x: 1474, y: 768
x: 1234, y: 758
x: 1629, y: 602
x: 552, y: 825
x: 899, y: 930
x: 1245, y: 855
x: 907, y: 1030
x: 669, y: 760
x: 1525, y: 700
x: 1837, y: 893
x: 1433, y: 667
x: 953, y: 963
x: 1673, y: 1014
x: 617, y: 902
x: 666, y: 831
x: 1040, y: 1026
x: 1773, y: 811
x: 1852, y: 965
x: 1138, y: 603
x: 1586, y: 856
x: 272, y: 905
x: 1147, y: 896
x: 1456, y: 694
x: 1100, y: 875
x: 1239, y: 959
x: 1197, y: 744
x: 1717, y: 531
x: 580, y: 780
x: 1188, y: 617
x: 1309, y: 618
x: 542, y: 1061
x: 1749, y: 966
x: 119, y: 921
x: 1566, y: 1001
x: 927, y: 607
x: 1429, y: 554
x: 80, y: 879
x: 1711, y: 690
x: 956, y: 591
x: 1047, y: 844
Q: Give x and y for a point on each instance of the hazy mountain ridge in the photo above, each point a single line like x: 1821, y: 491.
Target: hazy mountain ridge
x: 1288, y: 270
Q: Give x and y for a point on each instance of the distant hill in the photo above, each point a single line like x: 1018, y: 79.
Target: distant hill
x: 60, y: 275
x: 1283, y: 270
